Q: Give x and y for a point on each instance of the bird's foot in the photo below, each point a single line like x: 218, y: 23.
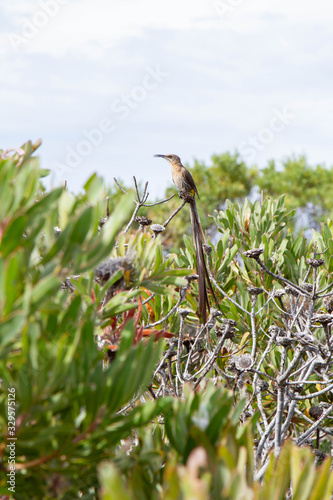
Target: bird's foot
x: 186, y: 196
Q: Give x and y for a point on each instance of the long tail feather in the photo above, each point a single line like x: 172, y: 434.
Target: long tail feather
x: 199, y: 238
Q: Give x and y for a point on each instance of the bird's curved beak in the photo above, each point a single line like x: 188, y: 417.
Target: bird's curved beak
x: 160, y: 156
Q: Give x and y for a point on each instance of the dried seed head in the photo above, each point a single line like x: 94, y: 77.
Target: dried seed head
x: 231, y: 364
x: 254, y: 253
x: 215, y: 313
x: 231, y: 333
x: 230, y: 322
x: 276, y: 330
x: 172, y: 342
x: 324, y: 405
x: 320, y: 455
x: 157, y: 229
x: 308, y: 287
x: 291, y: 291
x: 263, y: 385
x: 304, y: 338
x: 207, y: 249
x: 323, y: 319
x: 285, y: 341
x: 328, y: 302
x: 240, y: 383
x: 244, y: 416
x: 315, y: 262
x: 191, y: 277
x: 243, y: 362
x: 183, y: 312
x: 183, y: 292
x: 252, y: 290
x: 210, y: 323
x: 143, y: 221
x: 221, y: 331
x: 315, y: 412
x: 279, y: 293
x: 108, y: 267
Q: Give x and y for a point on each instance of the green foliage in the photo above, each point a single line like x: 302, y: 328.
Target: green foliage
x: 105, y: 408
x: 266, y: 227
x: 206, y: 454
x: 67, y: 401
x: 227, y: 177
x: 307, y: 187
x: 295, y: 466
x: 201, y: 428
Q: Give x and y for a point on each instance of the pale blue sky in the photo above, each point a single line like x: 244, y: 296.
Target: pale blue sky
x: 107, y: 84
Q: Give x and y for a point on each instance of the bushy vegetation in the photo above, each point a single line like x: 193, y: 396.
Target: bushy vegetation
x: 120, y: 392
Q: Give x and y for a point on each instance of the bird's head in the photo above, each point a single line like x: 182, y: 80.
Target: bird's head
x: 170, y: 158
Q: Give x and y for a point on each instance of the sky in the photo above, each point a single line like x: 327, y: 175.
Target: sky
x: 106, y: 84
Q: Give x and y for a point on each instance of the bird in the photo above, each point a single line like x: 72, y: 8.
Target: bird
x: 184, y: 181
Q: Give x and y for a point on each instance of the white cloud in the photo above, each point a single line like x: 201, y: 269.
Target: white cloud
x: 91, y: 27
x: 227, y: 74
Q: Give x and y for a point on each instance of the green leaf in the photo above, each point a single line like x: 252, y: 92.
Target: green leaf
x: 112, y: 484
x: 11, y: 328
x: 94, y: 188
x: 44, y: 290
x: 13, y: 235
x: 45, y: 204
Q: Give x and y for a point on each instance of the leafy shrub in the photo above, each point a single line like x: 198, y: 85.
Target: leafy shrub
x: 119, y: 391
